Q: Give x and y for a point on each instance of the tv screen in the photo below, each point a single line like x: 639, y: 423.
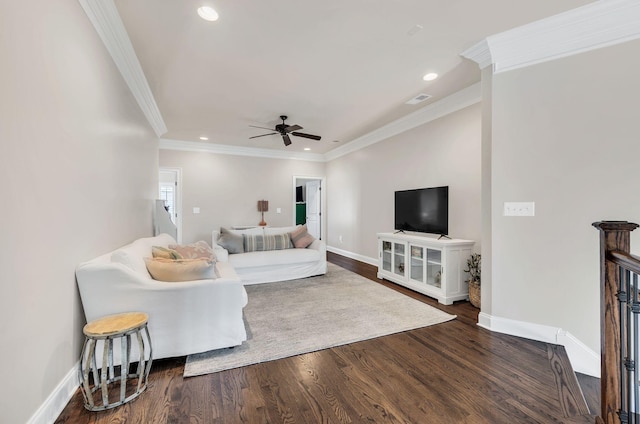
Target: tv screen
x: 425, y: 210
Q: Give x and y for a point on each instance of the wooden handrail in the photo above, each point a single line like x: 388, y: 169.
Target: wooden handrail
x: 615, y: 247
x: 627, y: 261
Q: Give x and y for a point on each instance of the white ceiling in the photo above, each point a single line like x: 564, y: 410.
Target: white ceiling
x: 340, y: 69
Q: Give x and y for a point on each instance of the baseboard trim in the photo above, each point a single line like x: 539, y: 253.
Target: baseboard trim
x: 583, y: 359
x: 51, y: 408
x: 351, y: 255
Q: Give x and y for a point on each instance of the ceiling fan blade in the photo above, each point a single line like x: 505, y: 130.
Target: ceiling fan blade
x: 292, y: 128
x: 262, y: 135
x: 263, y: 128
x: 286, y: 139
x: 311, y: 136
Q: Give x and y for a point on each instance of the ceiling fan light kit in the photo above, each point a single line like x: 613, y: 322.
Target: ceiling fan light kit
x: 284, y: 130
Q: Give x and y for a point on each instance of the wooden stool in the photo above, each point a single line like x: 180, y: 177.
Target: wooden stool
x: 105, y: 331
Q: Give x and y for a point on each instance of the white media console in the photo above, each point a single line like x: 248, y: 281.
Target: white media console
x: 425, y: 264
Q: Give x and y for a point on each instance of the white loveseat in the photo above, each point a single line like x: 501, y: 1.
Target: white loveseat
x: 274, y: 265
x: 184, y: 317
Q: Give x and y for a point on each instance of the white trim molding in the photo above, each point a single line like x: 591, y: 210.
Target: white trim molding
x: 595, y: 25
x: 479, y: 53
x: 52, y: 407
x: 456, y: 101
x: 356, y: 256
x: 583, y: 359
x: 225, y: 149
x: 104, y: 16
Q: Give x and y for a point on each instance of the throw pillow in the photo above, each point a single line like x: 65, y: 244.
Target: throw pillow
x: 180, y: 269
x: 200, y: 249
x: 231, y: 241
x: 163, y: 252
x: 301, y: 238
x: 254, y: 243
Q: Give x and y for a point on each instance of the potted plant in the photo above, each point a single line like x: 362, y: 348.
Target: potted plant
x: 473, y: 268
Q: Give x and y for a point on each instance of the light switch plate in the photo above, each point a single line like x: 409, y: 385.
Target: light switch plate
x: 196, y: 210
x: 519, y: 208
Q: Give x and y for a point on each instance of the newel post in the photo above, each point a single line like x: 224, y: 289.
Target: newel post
x: 614, y: 236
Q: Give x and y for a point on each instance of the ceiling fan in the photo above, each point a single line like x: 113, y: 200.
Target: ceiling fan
x: 284, y: 130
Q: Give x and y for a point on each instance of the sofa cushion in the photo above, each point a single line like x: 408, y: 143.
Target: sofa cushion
x: 301, y: 238
x: 274, y: 257
x: 165, y: 252
x: 199, y: 249
x: 231, y: 241
x: 180, y: 269
x: 254, y: 243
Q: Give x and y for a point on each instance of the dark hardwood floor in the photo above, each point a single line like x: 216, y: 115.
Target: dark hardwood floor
x: 455, y: 372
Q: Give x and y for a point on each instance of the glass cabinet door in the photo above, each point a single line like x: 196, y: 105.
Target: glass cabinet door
x: 398, y: 258
x: 386, y: 256
x: 417, y: 263
x: 434, y: 267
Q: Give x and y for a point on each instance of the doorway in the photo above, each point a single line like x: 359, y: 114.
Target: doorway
x: 169, y: 191
x: 309, y: 199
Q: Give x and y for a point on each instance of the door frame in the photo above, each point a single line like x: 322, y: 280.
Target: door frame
x: 178, y: 174
x: 323, y: 201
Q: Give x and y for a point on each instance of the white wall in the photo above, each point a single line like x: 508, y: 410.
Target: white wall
x: 566, y: 136
x: 78, y: 165
x: 361, y: 185
x: 227, y: 188
x: 487, y: 255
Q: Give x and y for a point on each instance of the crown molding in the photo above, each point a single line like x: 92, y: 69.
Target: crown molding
x: 224, y: 149
x: 459, y: 100
x: 595, y: 25
x: 479, y: 53
x: 105, y: 18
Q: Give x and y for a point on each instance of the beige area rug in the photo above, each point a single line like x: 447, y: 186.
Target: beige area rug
x: 294, y: 317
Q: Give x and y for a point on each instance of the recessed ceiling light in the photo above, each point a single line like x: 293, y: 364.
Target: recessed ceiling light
x: 430, y: 76
x: 207, y: 13
x: 203, y: 138
x: 307, y: 148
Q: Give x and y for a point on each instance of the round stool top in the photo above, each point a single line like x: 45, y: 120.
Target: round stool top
x: 114, y: 324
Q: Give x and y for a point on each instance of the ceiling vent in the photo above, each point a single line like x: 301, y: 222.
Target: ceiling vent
x: 418, y: 99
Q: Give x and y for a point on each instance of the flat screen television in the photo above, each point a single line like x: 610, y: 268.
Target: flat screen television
x: 424, y: 210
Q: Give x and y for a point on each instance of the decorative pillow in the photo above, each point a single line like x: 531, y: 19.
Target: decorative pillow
x: 163, y: 252
x: 162, y: 269
x: 200, y: 249
x: 261, y: 243
x: 301, y: 238
x: 231, y: 241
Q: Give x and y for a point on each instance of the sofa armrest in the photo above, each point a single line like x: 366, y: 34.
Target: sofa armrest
x: 319, y: 245
x: 222, y: 254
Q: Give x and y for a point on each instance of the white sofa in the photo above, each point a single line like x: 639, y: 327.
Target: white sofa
x: 184, y: 317
x: 274, y: 265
